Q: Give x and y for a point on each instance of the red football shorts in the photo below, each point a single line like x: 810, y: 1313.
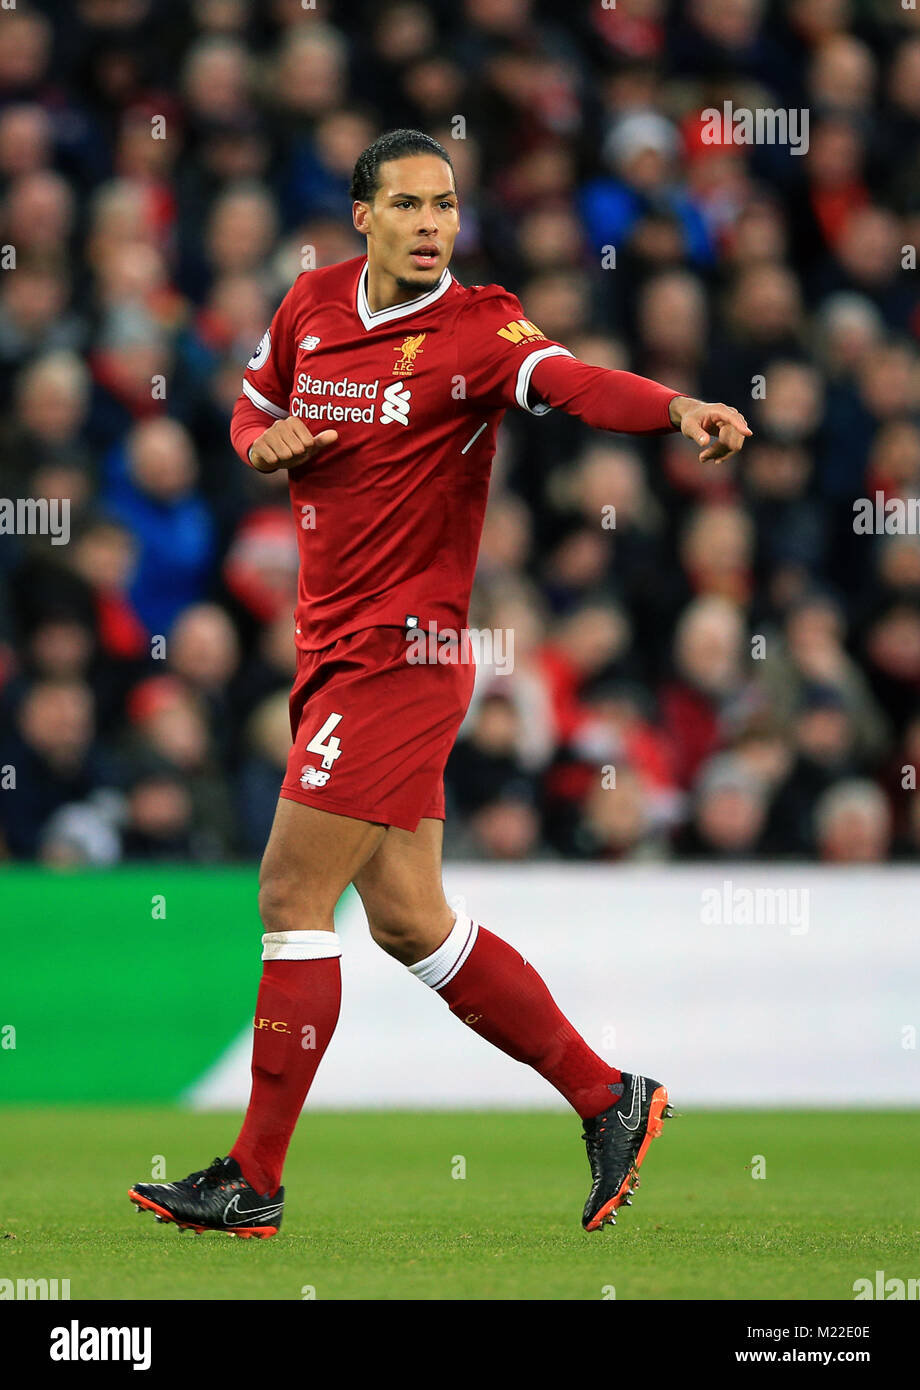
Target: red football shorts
x: 372, y: 730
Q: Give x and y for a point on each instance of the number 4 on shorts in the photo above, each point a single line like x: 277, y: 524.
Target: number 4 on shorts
x: 331, y: 749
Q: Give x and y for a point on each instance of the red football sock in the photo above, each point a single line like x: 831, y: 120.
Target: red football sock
x: 296, y: 1014
x: 491, y: 988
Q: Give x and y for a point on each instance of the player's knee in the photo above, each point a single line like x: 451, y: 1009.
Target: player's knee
x: 398, y: 935
x: 408, y: 935
x: 285, y: 906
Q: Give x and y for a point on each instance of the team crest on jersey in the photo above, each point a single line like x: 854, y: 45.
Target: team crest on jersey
x: 260, y: 356
x: 309, y: 342
x: 410, y: 349
x: 519, y: 331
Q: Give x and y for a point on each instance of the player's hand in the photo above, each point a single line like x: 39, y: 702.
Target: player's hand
x: 700, y: 420
x: 288, y: 444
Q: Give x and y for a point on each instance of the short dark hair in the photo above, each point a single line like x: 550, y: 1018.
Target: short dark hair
x: 392, y: 144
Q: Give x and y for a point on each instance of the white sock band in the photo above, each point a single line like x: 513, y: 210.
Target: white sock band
x: 442, y: 965
x: 300, y: 945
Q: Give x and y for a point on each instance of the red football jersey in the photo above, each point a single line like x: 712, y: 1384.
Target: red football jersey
x: 390, y: 515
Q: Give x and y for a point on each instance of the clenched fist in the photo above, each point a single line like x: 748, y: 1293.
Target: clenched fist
x: 287, y: 444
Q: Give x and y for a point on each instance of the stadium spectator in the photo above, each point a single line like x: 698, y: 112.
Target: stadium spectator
x: 168, y: 727
x: 853, y: 824
x: 53, y: 750
x: 616, y: 822
x: 151, y: 488
x: 80, y: 834
x: 697, y: 705
x: 484, y: 767
x: 267, y: 744
x: 730, y: 806
x: 160, y: 821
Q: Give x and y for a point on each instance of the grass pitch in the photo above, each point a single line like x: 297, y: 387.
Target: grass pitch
x: 374, y: 1210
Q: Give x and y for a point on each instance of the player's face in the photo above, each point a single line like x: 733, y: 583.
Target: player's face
x: 412, y: 223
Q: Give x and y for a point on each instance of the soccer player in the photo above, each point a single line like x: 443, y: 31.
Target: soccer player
x: 379, y: 387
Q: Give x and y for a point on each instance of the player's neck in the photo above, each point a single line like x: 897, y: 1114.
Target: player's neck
x: 384, y: 291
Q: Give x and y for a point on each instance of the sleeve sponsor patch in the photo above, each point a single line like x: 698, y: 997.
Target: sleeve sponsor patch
x: 520, y: 331
x: 260, y: 356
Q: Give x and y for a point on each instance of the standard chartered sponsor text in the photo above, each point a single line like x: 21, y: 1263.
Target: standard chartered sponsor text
x: 308, y: 385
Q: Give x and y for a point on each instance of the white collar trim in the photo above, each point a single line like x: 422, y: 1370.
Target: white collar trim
x: 372, y: 319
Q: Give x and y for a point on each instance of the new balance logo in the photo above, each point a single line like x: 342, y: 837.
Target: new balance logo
x: 394, y: 408
x: 313, y: 777
x: 309, y: 343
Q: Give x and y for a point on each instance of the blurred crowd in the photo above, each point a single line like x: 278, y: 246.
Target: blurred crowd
x: 709, y: 661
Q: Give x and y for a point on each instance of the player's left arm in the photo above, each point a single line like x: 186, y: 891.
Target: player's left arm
x: 507, y: 361
x: 631, y: 404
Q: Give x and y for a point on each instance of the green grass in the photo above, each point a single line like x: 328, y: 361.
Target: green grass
x: 374, y: 1213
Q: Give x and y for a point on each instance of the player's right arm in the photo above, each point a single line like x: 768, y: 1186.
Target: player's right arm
x: 263, y: 432
x: 287, y: 444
